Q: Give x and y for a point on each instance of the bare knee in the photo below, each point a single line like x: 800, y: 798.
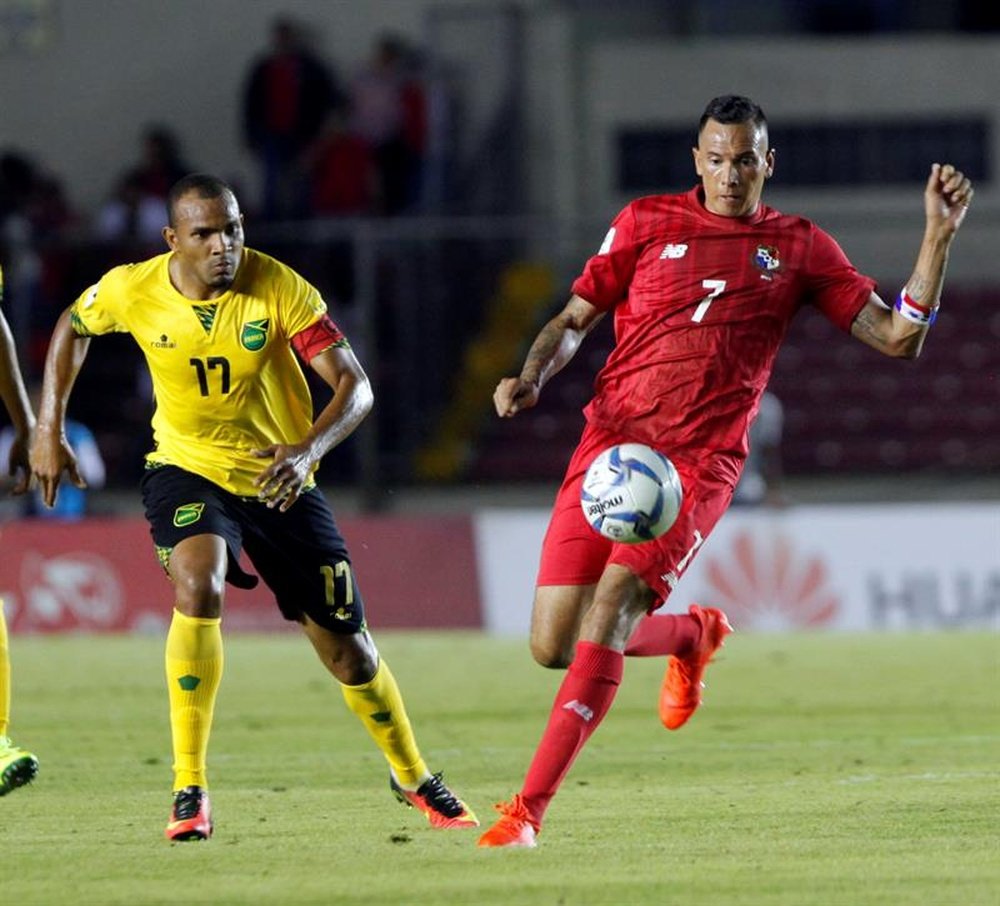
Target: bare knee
x: 199, y: 594
x: 620, y: 602
x: 198, y: 571
x: 555, y: 623
x: 352, y: 659
x: 552, y: 653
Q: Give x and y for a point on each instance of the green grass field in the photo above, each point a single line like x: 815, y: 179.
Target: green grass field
x: 823, y: 769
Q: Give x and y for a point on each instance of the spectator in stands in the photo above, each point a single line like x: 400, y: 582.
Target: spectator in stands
x: 130, y: 214
x: 389, y: 112
x: 343, y: 181
x: 17, y: 179
x: 761, y: 481
x: 28, y: 192
x: 286, y: 99
x: 702, y: 285
x: 19, y: 176
x: 137, y: 210
x: 340, y: 169
x: 162, y: 162
x: 72, y: 502
x: 33, y: 209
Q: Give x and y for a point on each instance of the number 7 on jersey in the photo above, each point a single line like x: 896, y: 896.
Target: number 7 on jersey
x: 716, y: 287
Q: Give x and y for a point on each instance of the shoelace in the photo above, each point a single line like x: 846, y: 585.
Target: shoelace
x: 514, y: 809
x: 186, y: 804
x: 440, y: 797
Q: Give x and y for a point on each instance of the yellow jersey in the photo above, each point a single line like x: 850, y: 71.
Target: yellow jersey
x: 225, y: 377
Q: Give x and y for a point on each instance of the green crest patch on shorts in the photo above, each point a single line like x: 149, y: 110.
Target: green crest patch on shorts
x: 188, y: 514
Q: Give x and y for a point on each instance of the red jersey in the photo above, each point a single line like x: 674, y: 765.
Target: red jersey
x: 701, y: 304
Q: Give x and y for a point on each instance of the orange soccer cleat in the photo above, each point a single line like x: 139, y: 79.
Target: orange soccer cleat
x: 680, y: 693
x: 514, y: 828
x: 191, y: 816
x: 441, y: 806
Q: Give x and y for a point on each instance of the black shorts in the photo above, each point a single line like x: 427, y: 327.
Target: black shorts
x: 299, y: 554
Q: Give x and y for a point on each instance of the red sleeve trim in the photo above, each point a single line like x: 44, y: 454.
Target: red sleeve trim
x: 316, y: 337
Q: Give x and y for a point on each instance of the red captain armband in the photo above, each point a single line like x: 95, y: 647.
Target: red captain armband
x: 317, y: 337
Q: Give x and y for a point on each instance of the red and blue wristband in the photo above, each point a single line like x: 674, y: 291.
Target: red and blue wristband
x: 914, y: 311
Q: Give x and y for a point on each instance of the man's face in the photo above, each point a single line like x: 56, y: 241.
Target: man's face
x: 207, y: 241
x: 733, y: 161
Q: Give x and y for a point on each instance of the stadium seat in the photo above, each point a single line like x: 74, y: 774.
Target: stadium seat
x: 847, y: 408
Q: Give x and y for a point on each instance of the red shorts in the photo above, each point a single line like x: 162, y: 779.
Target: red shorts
x: 574, y: 554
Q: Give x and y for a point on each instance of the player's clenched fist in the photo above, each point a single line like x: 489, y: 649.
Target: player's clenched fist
x: 947, y: 197
x: 514, y: 394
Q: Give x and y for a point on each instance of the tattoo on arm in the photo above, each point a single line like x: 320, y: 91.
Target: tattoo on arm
x: 868, y: 327
x: 542, y: 351
x: 917, y: 287
x: 887, y: 332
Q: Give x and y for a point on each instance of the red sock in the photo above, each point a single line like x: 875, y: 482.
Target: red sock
x: 662, y: 634
x: 582, y: 701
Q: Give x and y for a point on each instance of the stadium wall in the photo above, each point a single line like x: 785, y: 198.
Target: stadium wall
x: 858, y: 567
x: 826, y: 81
x: 82, y: 80
x: 101, y: 575
x: 73, y: 99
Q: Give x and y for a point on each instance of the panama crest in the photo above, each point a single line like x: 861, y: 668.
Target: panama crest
x: 766, y: 258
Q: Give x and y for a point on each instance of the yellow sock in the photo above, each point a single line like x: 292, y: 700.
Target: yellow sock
x: 194, y: 671
x: 4, y: 676
x: 379, y: 706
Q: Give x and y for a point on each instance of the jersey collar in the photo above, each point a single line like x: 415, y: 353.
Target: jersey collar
x: 696, y: 199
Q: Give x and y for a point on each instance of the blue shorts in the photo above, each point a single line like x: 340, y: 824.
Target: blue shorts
x: 299, y: 554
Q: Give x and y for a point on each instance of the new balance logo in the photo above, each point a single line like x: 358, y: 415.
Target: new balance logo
x: 579, y: 708
x: 674, y: 250
x: 674, y: 576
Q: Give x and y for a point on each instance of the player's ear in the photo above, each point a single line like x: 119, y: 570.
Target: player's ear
x: 170, y: 237
x: 769, y: 159
x: 697, y: 161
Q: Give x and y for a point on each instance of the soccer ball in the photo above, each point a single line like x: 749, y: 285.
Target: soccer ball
x: 631, y: 493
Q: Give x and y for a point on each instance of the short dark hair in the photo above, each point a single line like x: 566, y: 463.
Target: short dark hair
x: 203, y: 185
x: 732, y: 108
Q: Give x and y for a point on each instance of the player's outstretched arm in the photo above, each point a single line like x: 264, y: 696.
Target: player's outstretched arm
x: 555, y: 345
x: 51, y: 454
x: 900, y: 330
x: 15, y: 400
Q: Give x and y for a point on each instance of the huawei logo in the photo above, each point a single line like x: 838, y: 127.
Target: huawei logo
x: 766, y: 584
